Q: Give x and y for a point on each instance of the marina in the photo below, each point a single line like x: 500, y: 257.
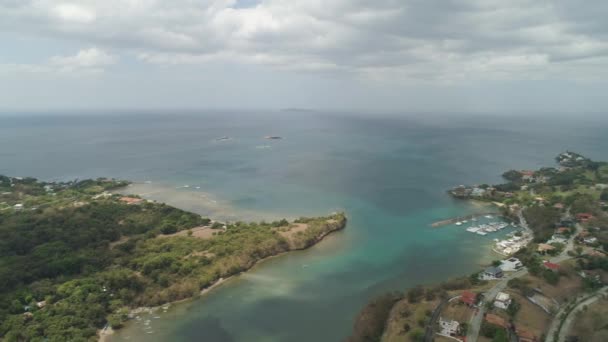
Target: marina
x: 459, y: 221
x: 485, y: 228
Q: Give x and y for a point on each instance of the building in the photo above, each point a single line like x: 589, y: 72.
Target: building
x: 478, y: 192
x: 559, y: 206
x: 590, y: 240
x: 469, y: 298
x: 527, y: 175
x: 584, y: 217
x: 448, y: 327
x: 544, y: 248
x: 502, y: 301
x: 18, y: 206
x: 511, y: 264
x: 551, y: 266
x: 492, y: 273
x: 563, y: 230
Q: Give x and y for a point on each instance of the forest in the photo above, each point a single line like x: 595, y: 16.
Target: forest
x: 75, y: 257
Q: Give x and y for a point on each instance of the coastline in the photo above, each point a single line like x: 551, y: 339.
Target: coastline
x: 106, y: 333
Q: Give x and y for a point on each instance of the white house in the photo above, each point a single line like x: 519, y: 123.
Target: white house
x: 448, y: 328
x: 590, y: 240
x: 18, y: 206
x: 502, y: 301
x: 510, y: 265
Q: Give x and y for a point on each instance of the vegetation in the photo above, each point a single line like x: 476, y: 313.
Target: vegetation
x: 542, y: 221
x: 74, y: 258
x: 369, y: 324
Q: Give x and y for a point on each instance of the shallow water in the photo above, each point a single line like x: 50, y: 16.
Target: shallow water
x: 388, y: 173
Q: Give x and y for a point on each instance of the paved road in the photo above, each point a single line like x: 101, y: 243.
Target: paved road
x: 565, y: 328
x: 430, y: 328
x: 475, y: 322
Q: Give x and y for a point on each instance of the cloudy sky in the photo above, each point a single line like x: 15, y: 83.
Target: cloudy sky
x: 404, y: 55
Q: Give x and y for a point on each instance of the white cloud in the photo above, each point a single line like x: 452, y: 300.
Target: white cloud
x: 430, y: 40
x: 73, y: 13
x: 86, y: 61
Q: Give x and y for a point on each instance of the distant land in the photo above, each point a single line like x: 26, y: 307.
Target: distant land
x: 295, y: 109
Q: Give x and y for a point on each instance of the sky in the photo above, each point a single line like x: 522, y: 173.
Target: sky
x: 387, y: 55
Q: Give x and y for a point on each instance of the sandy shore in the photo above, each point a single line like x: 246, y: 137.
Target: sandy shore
x: 197, y: 201
x: 104, y: 335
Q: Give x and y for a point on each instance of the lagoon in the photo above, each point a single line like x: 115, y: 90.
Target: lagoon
x: 389, y: 173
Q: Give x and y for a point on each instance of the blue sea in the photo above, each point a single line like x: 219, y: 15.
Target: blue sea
x: 388, y: 172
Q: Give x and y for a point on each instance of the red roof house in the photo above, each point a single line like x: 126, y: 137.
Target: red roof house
x: 584, y: 217
x: 551, y: 266
x: 468, y: 298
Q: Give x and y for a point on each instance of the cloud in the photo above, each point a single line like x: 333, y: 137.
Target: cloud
x: 432, y: 40
x: 73, y: 12
x: 86, y: 61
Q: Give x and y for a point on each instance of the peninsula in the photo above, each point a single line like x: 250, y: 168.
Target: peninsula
x: 75, y: 258
x: 550, y: 270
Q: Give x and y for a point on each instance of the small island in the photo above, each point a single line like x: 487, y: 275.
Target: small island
x: 542, y: 283
x: 76, y: 258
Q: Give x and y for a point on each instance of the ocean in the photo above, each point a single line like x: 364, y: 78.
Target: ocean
x: 389, y: 174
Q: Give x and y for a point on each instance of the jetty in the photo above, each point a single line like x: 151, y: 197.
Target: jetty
x: 461, y: 218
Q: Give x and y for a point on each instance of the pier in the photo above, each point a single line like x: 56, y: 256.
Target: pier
x: 461, y: 218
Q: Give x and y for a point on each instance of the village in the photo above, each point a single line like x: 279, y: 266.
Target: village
x: 553, y: 264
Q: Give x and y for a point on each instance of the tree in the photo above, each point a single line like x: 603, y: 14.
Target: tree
x: 513, y: 308
x: 604, y: 195
x: 501, y: 336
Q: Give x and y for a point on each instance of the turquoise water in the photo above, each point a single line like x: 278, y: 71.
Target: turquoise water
x: 388, y: 173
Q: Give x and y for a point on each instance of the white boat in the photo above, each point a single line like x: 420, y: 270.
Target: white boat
x: 458, y: 223
x: 481, y: 233
x: 489, y: 216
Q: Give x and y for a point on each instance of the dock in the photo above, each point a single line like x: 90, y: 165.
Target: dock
x: 461, y: 218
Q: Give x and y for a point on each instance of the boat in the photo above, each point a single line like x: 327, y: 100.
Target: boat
x: 458, y: 223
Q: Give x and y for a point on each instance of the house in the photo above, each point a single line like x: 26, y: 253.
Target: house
x: 496, y: 320
x: 551, y: 266
x: 502, y: 301
x: 563, y: 230
x: 557, y: 238
x: 131, y: 200
x: 478, y: 192
x: 41, y: 304
x: 590, y: 240
x: 544, y: 248
x: 600, y: 186
x: 448, y: 327
x: 18, y: 206
x: 584, y: 217
x: 492, y: 273
x: 583, y: 234
x: 559, y: 206
x: 595, y: 253
x: 525, y: 335
x: 511, y: 264
x: 527, y: 175
x: 469, y: 298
